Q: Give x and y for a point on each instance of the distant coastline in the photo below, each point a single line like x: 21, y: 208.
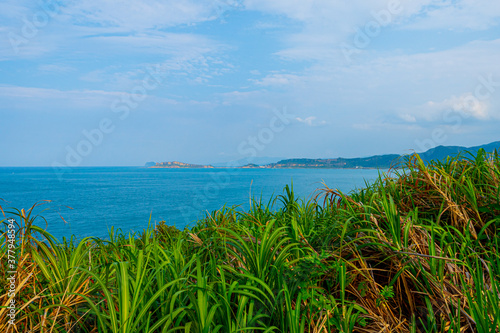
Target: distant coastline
x: 372, y: 162
x: 280, y: 165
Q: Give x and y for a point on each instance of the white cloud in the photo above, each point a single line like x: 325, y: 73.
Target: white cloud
x: 115, y: 77
x: 31, y: 92
x: 10, y: 48
x: 91, y: 26
x: 311, y: 121
x: 98, y: 75
x: 408, y: 118
x: 277, y: 80
x: 258, y: 98
x: 268, y: 25
x: 405, y: 79
x: 188, y: 67
x: 14, y: 9
x: 387, y: 127
x: 158, y: 43
x: 326, y: 24
x: 137, y: 15
x: 393, y: 89
x: 53, y: 68
x: 33, y: 99
x: 459, y: 15
x: 467, y: 105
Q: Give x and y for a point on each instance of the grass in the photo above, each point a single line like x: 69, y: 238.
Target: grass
x: 414, y: 252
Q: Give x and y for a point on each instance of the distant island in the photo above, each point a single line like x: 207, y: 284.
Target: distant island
x: 178, y: 165
x: 251, y: 166
x: 378, y: 161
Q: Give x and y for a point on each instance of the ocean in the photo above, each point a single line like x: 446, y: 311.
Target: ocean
x: 88, y: 201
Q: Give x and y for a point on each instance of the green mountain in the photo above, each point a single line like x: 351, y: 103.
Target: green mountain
x: 379, y: 161
x: 441, y: 152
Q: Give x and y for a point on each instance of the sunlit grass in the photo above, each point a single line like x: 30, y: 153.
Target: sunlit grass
x: 414, y: 252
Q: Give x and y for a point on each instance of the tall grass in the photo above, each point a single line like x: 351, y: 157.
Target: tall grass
x: 413, y: 252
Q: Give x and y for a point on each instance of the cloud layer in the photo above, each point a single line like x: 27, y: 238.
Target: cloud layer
x: 363, y: 72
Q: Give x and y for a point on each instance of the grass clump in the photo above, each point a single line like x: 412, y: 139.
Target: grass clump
x: 416, y: 251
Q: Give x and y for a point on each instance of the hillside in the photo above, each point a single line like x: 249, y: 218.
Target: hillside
x: 438, y: 153
x: 380, y: 161
x: 441, y: 152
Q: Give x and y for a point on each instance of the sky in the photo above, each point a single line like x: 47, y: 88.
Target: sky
x: 124, y: 82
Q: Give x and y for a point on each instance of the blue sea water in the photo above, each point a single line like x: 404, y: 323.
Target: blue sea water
x: 88, y: 201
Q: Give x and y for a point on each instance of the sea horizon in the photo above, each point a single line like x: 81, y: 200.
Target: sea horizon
x: 125, y: 197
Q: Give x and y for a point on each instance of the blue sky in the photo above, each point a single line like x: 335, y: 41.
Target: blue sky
x: 89, y: 83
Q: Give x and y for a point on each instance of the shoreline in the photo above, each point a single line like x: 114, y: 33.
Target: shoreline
x: 268, y: 168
